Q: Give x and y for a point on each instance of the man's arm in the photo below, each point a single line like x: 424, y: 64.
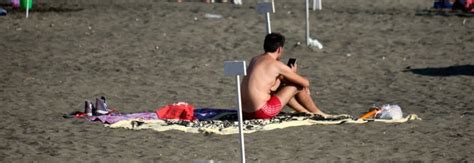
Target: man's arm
x: 277, y: 83
x: 290, y: 75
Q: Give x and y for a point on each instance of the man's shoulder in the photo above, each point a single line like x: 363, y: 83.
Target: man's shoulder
x: 266, y: 61
x: 276, y: 63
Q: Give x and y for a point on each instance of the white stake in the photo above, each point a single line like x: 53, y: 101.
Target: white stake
x: 307, y: 22
x: 269, y: 25
x: 238, y: 68
x: 266, y: 8
x: 310, y: 42
x: 241, y: 122
x: 27, y: 7
x: 273, y: 6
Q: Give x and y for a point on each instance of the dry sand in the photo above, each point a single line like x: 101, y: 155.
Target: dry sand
x: 143, y: 54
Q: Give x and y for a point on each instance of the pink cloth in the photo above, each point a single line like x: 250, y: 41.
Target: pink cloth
x: 112, y: 118
x: 16, y: 3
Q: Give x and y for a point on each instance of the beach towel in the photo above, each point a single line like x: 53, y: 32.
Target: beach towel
x: 222, y: 126
x: 201, y: 114
x: 112, y: 118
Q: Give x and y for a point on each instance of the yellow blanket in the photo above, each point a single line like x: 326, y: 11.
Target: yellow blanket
x: 250, y: 126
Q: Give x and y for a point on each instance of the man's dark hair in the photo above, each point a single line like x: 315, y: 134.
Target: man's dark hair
x: 273, y: 41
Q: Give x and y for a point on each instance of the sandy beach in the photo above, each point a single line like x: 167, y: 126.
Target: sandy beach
x: 144, y: 54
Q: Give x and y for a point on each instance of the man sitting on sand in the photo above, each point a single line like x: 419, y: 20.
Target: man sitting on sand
x: 270, y: 84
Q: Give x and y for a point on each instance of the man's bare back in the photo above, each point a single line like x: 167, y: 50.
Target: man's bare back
x: 262, y: 75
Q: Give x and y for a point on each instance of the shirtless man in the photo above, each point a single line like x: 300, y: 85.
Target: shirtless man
x: 270, y: 84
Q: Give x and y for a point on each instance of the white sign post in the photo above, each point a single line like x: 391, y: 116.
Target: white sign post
x: 273, y: 6
x: 310, y: 42
x: 27, y: 7
x: 307, y: 23
x: 317, y: 5
x: 237, y: 69
x: 266, y: 8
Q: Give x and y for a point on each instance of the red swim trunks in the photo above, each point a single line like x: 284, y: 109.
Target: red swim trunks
x: 267, y: 111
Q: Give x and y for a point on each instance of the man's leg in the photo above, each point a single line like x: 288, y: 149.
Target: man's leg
x: 305, y: 100
x: 299, y: 100
x: 286, y: 94
x: 296, y: 106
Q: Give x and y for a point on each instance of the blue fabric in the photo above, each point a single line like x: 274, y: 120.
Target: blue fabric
x: 443, y: 4
x: 203, y: 114
x: 3, y: 12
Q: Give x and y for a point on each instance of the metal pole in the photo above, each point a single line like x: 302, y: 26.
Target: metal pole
x: 307, y: 22
x: 320, y: 4
x: 273, y: 6
x: 27, y: 7
x: 269, y: 26
x: 241, y: 132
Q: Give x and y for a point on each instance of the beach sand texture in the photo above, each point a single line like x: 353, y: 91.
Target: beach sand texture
x: 144, y: 54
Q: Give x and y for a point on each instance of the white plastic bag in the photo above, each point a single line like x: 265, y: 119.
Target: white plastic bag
x: 390, y: 112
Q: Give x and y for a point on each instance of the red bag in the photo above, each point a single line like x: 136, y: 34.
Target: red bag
x: 180, y: 110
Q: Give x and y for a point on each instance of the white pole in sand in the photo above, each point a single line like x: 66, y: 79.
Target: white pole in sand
x: 269, y: 26
x: 27, y: 7
x: 310, y: 42
x: 266, y: 8
x: 241, y: 130
x: 273, y: 6
x: 237, y: 69
x: 307, y: 22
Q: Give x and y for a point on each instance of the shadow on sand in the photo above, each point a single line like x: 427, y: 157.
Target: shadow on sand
x: 41, y: 7
x: 445, y: 13
x: 444, y: 71
x: 60, y: 8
